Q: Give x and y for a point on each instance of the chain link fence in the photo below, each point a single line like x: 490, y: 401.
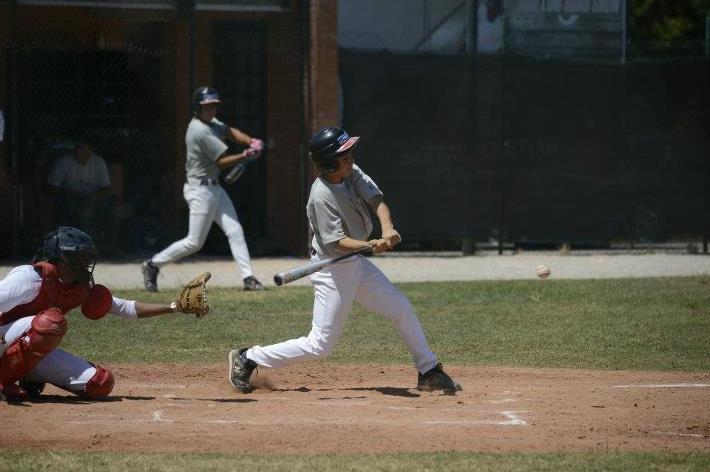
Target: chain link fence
x: 531, y: 125
x: 489, y: 123
x: 118, y: 77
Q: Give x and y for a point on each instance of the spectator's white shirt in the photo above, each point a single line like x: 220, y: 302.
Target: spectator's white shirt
x: 89, y: 178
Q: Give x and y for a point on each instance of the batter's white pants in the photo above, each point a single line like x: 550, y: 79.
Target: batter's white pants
x: 335, y: 288
x: 208, y: 203
x: 60, y: 368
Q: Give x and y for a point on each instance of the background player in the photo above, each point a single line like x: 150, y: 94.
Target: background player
x: 34, y: 300
x: 340, y: 222
x: 207, y: 200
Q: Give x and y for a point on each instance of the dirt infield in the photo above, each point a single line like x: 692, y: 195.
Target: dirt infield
x: 319, y: 407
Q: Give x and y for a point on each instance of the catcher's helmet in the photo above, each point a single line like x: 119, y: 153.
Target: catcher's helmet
x: 203, y: 96
x: 327, y: 145
x: 72, y: 247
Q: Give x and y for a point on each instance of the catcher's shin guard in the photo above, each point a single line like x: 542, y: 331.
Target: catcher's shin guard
x: 100, y: 385
x: 45, y: 334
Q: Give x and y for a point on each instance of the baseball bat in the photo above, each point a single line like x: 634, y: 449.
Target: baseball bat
x: 307, y: 269
x: 238, y: 170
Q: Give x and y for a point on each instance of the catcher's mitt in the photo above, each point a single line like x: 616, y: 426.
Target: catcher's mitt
x: 193, y: 297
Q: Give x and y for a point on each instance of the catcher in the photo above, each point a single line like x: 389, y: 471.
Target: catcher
x: 34, y: 302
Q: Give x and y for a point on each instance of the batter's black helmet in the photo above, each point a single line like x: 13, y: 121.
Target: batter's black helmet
x: 72, y: 247
x: 203, y: 96
x: 327, y: 145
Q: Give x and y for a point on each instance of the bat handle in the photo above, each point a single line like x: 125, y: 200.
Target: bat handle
x: 234, y: 174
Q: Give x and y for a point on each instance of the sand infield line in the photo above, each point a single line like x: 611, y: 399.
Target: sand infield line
x: 678, y: 385
x: 672, y: 433
x: 159, y: 416
x: 513, y: 420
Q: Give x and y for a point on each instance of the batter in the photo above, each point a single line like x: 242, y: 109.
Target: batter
x: 340, y: 221
x: 206, y: 199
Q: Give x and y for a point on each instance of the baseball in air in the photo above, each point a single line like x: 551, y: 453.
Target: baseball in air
x: 543, y: 271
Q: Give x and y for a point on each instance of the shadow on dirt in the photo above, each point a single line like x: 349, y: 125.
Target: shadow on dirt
x: 72, y: 400
x: 391, y: 391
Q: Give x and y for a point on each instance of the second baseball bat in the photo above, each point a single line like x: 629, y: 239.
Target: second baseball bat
x: 238, y: 170
x: 307, y: 269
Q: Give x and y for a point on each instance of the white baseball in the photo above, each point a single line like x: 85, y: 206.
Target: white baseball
x: 543, y: 271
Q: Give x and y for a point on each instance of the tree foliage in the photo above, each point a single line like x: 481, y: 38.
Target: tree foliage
x: 673, y: 26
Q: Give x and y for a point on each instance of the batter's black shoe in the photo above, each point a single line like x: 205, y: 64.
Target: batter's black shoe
x: 252, y: 283
x: 240, y: 369
x: 436, y: 379
x: 150, y: 276
x: 33, y: 389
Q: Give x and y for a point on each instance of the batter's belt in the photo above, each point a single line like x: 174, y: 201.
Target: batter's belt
x: 202, y: 181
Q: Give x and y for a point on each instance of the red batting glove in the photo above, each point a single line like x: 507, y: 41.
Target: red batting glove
x: 257, y: 144
x: 252, y: 153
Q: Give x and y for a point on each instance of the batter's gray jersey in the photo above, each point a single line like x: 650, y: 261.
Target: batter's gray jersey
x: 336, y: 211
x: 205, y: 144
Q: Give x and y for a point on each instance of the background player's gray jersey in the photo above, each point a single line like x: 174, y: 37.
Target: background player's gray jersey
x: 205, y: 144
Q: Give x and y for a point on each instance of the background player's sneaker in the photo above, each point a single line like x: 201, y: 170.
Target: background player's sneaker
x: 240, y: 369
x: 150, y: 276
x: 252, y: 283
x: 436, y: 379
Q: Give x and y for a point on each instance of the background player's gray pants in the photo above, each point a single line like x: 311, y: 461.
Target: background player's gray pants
x: 335, y: 289
x: 208, y: 203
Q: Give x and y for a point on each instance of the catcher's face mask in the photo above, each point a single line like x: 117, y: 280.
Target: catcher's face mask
x: 79, y: 265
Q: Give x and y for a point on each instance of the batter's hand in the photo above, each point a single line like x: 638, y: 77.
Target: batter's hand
x: 252, y: 153
x: 392, y: 237
x: 378, y: 245
x: 256, y: 143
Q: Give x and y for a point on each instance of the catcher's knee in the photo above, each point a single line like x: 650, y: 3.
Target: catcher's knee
x: 100, y: 384
x: 48, y: 329
x: 45, y: 334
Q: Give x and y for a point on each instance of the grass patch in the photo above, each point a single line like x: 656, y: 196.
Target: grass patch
x: 452, y: 461
x: 638, y: 324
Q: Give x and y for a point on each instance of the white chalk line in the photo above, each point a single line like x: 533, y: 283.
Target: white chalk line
x: 678, y: 385
x: 158, y: 418
x: 671, y: 433
x: 513, y: 420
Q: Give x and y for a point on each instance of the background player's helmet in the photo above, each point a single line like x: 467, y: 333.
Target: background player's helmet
x: 72, y: 247
x: 203, y: 96
x: 327, y: 145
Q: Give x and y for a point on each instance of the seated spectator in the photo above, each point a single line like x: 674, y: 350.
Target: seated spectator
x: 82, y: 184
